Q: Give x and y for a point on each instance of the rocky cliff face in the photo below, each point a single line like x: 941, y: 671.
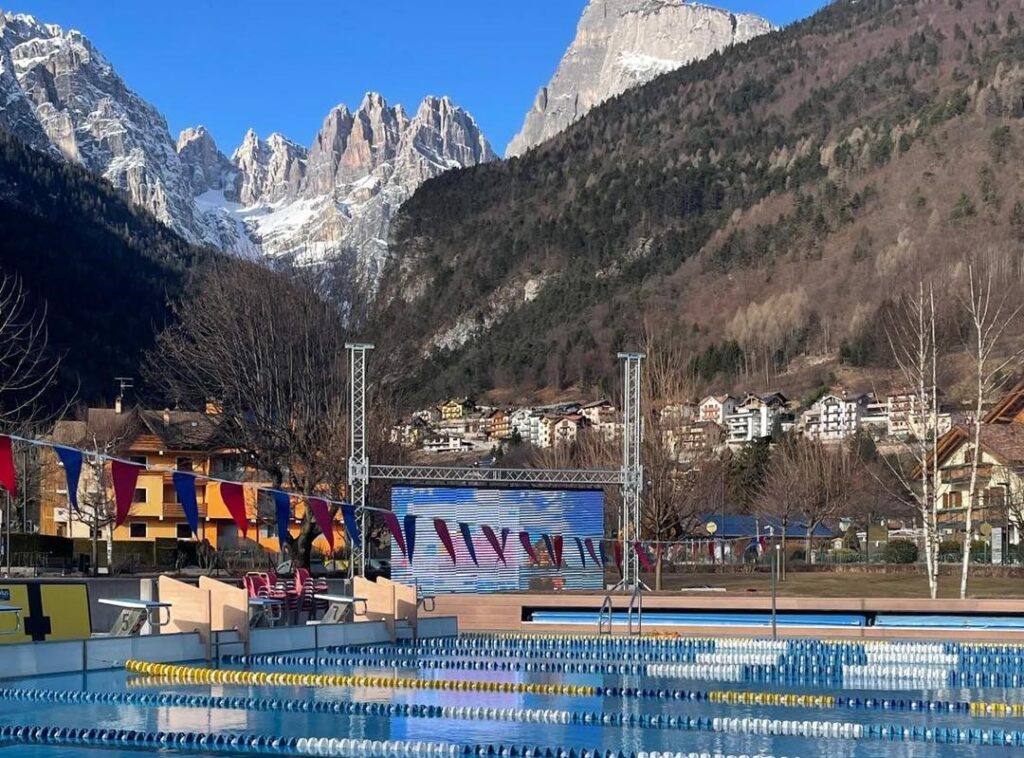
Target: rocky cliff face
x: 622, y: 43
x: 59, y: 94
x: 273, y: 197
x: 335, y: 202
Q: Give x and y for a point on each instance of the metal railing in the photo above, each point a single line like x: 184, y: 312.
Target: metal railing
x: 636, y: 604
x: 604, y: 616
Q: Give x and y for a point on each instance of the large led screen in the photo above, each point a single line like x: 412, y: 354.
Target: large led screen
x: 539, y: 512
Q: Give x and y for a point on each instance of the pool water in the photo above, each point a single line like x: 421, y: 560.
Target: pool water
x: 529, y: 719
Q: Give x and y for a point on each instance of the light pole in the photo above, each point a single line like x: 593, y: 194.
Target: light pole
x: 775, y: 582
x: 1005, y: 539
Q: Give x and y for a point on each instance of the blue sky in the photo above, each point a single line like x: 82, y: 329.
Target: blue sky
x: 281, y: 66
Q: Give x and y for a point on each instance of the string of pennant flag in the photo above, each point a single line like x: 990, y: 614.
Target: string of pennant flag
x: 124, y: 476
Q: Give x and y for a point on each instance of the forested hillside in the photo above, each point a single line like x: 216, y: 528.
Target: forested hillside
x: 761, y: 206
x: 103, y: 272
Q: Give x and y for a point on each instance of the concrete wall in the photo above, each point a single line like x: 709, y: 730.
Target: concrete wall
x: 40, y: 658
x: 284, y: 639
x: 438, y: 626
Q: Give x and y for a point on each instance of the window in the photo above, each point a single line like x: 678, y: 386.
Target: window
x: 184, y: 532
x: 139, y: 459
x: 137, y: 530
x: 969, y: 455
x: 140, y: 495
x: 951, y: 500
x: 183, y: 464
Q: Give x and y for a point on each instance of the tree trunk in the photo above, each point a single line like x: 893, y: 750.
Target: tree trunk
x: 657, y: 572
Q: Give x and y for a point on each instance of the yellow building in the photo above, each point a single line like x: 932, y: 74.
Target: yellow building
x: 163, y: 441
x: 455, y: 410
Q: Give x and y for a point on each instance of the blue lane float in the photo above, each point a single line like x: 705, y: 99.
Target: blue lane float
x: 201, y: 742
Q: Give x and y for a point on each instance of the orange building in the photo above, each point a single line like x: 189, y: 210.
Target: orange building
x: 163, y: 441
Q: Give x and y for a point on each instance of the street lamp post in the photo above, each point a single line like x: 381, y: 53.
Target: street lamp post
x: 775, y: 581
x: 1005, y: 539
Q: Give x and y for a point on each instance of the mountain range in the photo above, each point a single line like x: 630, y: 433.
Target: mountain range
x: 331, y: 201
x: 761, y: 209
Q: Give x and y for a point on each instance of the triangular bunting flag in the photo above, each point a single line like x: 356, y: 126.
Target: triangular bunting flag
x: 467, y: 537
x: 446, y: 538
x: 391, y: 522
x: 125, y: 476
x: 492, y: 538
x: 589, y: 542
x: 185, y: 489
x: 322, y: 515
x: 72, y: 462
x: 283, y: 511
x: 524, y: 540
x: 410, y: 534
x: 550, y: 548
x: 583, y: 556
x: 559, y: 544
x: 8, y: 475
x: 348, y: 513
x: 233, y: 495
x: 504, y: 542
x: 641, y: 553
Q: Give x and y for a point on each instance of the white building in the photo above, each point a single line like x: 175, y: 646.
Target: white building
x: 755, y: 418
x: 835, y: 417
x: 446, y: 443
x: 717, y: 408
x: 520, y: 421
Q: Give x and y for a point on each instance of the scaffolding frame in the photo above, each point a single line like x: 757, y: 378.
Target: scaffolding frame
x: 630, y: 477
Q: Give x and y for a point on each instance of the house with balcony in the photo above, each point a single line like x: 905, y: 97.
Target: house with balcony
x: 498, y: 425
x: 717, y: 408
x: 164, y: 441
x: 755, y: 418
x: 835, y: 417
x: 454, y: 410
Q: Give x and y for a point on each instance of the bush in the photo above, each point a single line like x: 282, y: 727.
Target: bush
x: 900, y: 551
x: 843, y: 555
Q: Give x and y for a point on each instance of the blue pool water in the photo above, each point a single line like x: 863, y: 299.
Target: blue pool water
x: 924, y: 674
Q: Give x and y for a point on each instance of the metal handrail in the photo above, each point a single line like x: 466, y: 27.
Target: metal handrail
x: 604, y: 616
x: 637, y: 602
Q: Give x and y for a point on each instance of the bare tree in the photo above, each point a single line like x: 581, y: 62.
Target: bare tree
x: 105, y: 434
x: 784, y: 490
x: 27, y: 368
x: 991, y: 313
x: 271, y: 354
x: 912, y: 335
x: 828, y: 473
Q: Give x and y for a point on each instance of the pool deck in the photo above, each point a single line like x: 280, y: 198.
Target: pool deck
x: 508, y: 613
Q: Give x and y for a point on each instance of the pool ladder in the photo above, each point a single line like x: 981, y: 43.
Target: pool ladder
x: 636, y: 605
x: 634, y: 616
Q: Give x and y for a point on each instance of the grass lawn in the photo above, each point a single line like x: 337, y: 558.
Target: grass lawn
x: 834, y: 584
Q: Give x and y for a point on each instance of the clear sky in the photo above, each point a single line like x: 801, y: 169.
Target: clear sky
x: 277, y: 65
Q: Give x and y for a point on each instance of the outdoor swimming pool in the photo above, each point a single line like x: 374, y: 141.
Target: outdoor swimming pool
x: 510, y: 696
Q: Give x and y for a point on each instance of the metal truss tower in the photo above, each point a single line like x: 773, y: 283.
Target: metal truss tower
x: 632, y: 468
x: 358, y: 463
x: 630, y: 477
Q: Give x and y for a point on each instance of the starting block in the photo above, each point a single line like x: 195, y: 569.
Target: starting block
x: 340, y: 608
x: 265, y: 608
x: 135, y: 613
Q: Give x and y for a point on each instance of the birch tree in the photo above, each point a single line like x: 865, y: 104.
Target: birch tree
x: 27, y: 368
x: 991, y: 313
x: 912, y: 337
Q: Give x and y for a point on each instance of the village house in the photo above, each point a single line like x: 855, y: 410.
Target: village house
x: 163, y: 441
x: 520, y: 420
x: 999, y: 499
x: 498, y: 425
x: 446, y: 443
x: 755, y: 418
x: 835, y: 417
x: 456, y: 410
x: 717, y: 408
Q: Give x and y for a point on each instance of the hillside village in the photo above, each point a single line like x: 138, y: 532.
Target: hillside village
x: 714, y: 423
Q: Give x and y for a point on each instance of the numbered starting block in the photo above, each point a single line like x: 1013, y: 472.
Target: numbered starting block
x: 340, y: 608
x: 7, y: 612
x: 135, y: 613
x: 265, y: 610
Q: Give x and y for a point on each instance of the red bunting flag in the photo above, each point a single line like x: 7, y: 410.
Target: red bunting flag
x: 618, y: 553
x: 493, y: 539
x: 233, y: 496
x: 559, y: 544
x: 125, y: 476
x: 8, y: 476
x: 322, y: 515
x: 589, y: 542
x: 446, y: 538
x: 641, y: 553
x: 391, y: 522
x: 524, y: 540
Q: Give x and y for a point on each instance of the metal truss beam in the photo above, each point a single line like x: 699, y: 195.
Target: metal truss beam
x: 358, y: 463
x: 483, y: 475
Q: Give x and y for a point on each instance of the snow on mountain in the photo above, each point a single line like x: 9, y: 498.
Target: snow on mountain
x: 624, y: 43
x: 273, y: 197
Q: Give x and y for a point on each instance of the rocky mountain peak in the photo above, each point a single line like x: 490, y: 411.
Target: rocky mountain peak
x: 623, y: 43
x: 208, y: 168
